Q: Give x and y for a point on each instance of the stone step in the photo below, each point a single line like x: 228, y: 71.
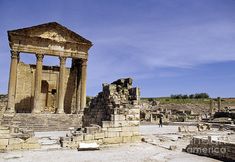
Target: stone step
x: 44, y: 122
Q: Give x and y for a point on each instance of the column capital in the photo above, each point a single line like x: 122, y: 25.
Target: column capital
x: 62, y: 59
x: 14, y: 54
x: 39, y: 57
x: 84, y: 62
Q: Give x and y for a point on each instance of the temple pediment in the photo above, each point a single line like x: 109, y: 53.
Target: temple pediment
x: 52, y: 31
x: 51, y: 39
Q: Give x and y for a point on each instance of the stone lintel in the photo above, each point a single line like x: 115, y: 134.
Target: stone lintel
x: 51, y: 52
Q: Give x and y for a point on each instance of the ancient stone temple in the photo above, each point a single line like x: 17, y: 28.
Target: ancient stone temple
x: 47, y: 89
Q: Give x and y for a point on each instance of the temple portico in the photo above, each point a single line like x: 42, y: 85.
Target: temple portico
x: 61, y: 88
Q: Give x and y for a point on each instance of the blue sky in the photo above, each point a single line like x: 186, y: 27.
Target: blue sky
x: 166, y: 46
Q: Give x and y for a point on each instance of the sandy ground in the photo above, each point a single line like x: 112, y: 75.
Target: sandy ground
x: 154, y: 149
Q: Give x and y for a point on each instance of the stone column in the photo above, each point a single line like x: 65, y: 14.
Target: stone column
x: 12, y: 82
x: 77, y: 66
x: 61, y: 89
x: 38, y: 82
x: 83, y: 84
x: 211, y: 107
x: 219, y: 104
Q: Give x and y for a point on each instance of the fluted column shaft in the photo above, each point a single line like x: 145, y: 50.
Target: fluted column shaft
x: 83, y: 83
x: 61, y: 89
x: 38, y: 81
x: 12, y: 82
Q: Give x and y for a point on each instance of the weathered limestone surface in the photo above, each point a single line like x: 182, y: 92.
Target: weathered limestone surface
x: 13, y: 138
x: 47, y: 99
x: 41, y: 88
x: 117, y: 102
x: 44, y: 122
x: 112, y: 117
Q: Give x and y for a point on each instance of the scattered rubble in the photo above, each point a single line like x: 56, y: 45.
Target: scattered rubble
x: 13, y: 138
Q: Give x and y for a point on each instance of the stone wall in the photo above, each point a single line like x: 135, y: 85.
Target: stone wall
x: 48, y: 95
x: 112, y: 117
x: 118, y: 100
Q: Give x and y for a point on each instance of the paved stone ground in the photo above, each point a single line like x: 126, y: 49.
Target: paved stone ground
x: 154, y: 150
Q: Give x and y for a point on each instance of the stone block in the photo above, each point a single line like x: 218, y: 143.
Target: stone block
x: 117, y: 129
x: 31, y: 140
x: 65, y: 143
x: 15, y: 146
x: 73, y: 144
x: 136, y: 133
x: 106, y: 124
x: 3, y: 128
x: 4, y: 141
x: 15, y: 141
x: 4, y: 131
x: 3, y: 147
x: 77, y: 138
x: 126, y: 139
x: 118, y: 117
x: 87, y: 137
x: 5, y: 136
x: 134, y: 111
x: 104, y: 129
x: 91, y: 130
x: 31, y: 146
x: 111, y: 134
x: 124, y: 134
x: 99, y: 135
x: 112, y: 140
x: 136, y: 139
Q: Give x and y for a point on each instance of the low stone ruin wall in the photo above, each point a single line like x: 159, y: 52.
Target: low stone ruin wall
x: 13, y: 138
x: 113, y: 116
x: 212, y: 146
x: 109, y: 133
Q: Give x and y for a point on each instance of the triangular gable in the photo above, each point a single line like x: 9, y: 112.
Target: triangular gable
x: 52, y: 31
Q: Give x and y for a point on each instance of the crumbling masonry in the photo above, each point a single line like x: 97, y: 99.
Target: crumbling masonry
x: 113, y: 116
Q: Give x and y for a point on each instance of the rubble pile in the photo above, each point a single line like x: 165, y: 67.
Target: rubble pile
x: 13, y: 138
x: 112, y: 117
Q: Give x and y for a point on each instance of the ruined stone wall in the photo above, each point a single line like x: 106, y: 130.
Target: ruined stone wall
x: 49, y: 90
x: 116, y: 99
x: 24, y: 88
x: 112, y: 117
